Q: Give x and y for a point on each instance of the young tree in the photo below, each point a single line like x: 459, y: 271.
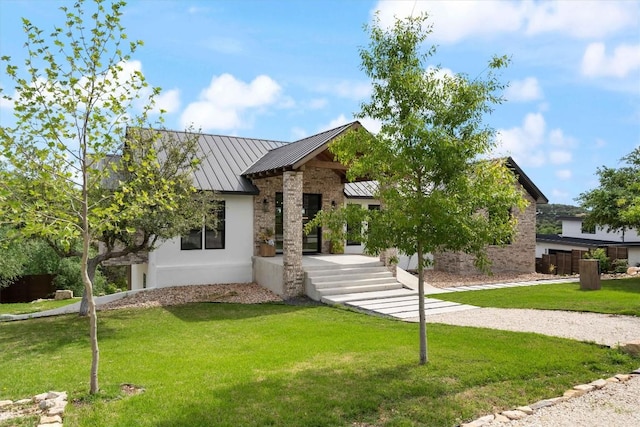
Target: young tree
x: 83, y: 167
x: 436, y: 192
x: 616, y: 202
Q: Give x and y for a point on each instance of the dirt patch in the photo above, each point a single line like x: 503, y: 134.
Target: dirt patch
x: 131, y: 389
x: 243, y: 293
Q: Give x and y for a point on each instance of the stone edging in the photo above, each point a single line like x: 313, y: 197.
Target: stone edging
x: 523, y: 411
x: 50, y: 406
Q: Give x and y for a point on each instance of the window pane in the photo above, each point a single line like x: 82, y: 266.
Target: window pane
x: 214, y: 239
x: 191, y: 241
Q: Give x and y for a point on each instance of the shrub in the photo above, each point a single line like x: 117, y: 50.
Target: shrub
x: 619, y: 265
x: 601, y: 255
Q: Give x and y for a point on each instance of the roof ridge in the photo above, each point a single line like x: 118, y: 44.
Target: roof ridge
x: 216, y: 134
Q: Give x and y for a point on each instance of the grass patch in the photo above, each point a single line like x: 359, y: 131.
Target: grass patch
x: 277, y: 365
x: 35, y: 306
x: 619, y: 296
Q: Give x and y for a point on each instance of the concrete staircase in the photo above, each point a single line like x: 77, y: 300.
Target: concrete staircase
x: 325, y: 283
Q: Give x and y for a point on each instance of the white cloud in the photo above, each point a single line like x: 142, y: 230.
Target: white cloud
x: 457, y: 20
x: 560, y: 157
x: 564, y: 174
x: 338, y: 121
x: 298, y: 133
x: 356, y: 90
x: 317, y: 103
x: 532, y: 145
x: 559, y: 139
x: 168, y: 101
x: 228, y: 102
x: 623, y: 60
x: 524, y: 90
x: 581, y: 19
x: 372, y: 125
x: 524, y: 143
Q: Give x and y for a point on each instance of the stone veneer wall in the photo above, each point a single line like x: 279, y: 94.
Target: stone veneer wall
x: 313, y: 181
x: 292, y: 273
x: 519, y: 256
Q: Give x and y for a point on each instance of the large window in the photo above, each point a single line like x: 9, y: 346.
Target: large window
x: 588, y: 229
x: 213, y: 238
x: 354, y: 230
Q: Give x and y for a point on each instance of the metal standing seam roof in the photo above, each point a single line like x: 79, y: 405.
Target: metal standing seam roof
x: 295, y: 154
x: 223, y: 158
x: 360, y: 190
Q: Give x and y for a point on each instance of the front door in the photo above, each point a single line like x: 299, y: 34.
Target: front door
x: 311, y: 204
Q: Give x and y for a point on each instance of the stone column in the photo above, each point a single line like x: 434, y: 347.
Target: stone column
x: 292, y: 238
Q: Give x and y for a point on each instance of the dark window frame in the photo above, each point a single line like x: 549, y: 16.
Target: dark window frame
x: 207, y: 235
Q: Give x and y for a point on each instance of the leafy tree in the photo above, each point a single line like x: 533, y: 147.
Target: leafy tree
x: 436, y: 193
x: 616, y: 202
x: 547, y: 221
x: 84, y: 165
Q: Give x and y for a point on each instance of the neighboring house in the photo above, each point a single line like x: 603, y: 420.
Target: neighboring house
x: 576, y: 236
x: 265, y: 184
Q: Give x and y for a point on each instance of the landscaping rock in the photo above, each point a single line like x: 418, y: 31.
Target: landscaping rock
x: 632, y: 348
x: 4, y: 403
x: 598, y: 384
x: 541, y: 404
x: 514, y: 415
x: 584, y: 387
x: 48, y: 419
x: 63, y: 294
x: 526, y: 409
x: 623, y: 377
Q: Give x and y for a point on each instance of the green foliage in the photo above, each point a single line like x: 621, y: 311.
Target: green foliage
x: 600, y: 254
x: 547, y: 221
x: 435, y: 192
x: 21, y: 257
x: 334, y: 223
x: 83, y: 165
x: 619, y: 265
x: 616, y: 202
x: 357, y: 370
x: 619, y: 296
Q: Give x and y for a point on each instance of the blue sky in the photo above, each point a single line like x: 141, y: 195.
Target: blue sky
x: 287, y: 69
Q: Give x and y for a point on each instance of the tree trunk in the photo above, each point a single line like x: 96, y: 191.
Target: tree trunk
x: 423, y: 321
x: 93, y: 317
x: 84, y: 303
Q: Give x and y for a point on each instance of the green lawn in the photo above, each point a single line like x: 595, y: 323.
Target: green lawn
x: 34, y: 307
x: 620, y: 296
x: 278, y: 365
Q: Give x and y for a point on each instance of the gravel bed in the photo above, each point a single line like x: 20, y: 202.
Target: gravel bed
x: 242, y: 293
x: 616, y: 405
x: 603, y: 329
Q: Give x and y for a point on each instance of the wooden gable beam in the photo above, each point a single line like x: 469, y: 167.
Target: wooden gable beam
x: 326, y: 165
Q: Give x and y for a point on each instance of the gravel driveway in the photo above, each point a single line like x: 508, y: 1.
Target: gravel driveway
x: 604, y: 329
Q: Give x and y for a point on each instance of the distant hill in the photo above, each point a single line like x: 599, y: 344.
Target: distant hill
x: 546, y: 222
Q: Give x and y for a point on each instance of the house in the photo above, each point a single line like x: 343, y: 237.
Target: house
x: 264, y: 184
x: 576, y: 236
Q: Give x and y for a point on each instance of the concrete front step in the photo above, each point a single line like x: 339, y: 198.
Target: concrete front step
x: 358, y: 296
x: 350, y: 276
x: 334, y: 267
x: 343, y: 271
x: 355, y: 282
x: 411, y: 315
x: 361, y: 288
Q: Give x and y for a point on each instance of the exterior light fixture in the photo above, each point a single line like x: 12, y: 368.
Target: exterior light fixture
x: 265, y: 205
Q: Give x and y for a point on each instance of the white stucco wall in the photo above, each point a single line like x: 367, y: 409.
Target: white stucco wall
x: 634, y: 257
x: 139, y: 272
x: 171, y: 266
x: 543, y: 248
x: 404, y: 261
x: 573, y: 228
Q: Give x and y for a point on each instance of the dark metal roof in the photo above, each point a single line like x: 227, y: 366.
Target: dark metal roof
x: 578, y: 241
x: 223, y: 158
x: 295, y: 154
x: 526, y: 182
x: 360, y: 190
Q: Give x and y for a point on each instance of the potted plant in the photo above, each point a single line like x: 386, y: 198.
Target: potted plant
x: 267, y: 242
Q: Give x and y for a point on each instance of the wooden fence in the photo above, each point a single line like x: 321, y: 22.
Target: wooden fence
x: 564, y: 263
